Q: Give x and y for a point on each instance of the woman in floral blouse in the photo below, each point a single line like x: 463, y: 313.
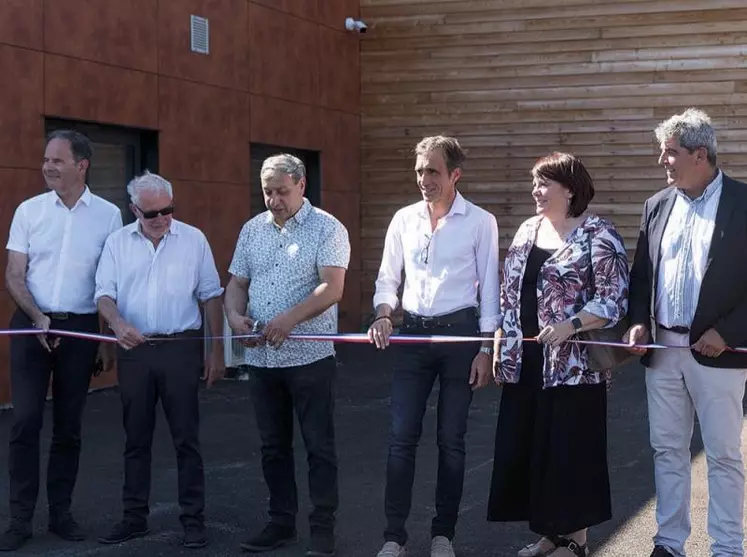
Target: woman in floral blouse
x: 565, y: 272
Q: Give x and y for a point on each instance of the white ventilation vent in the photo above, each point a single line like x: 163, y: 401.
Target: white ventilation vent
x: 200, y: 34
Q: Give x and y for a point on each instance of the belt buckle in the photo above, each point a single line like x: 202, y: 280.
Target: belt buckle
x: 59, y: 315
x: 426, y: 322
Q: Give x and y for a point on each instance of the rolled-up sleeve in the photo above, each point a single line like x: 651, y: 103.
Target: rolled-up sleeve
x: 208, y: 285
x: 488, y: 274
x: 106, y: 273
x: 390, y: 271
x: 611, y: 276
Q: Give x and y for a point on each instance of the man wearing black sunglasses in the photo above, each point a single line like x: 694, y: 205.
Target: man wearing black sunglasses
x: 153, y: 276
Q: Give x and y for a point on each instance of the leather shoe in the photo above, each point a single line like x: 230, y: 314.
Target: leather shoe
x: 660, y: 551
x: 321, y: 544
x: 67, y: 529
x: 14, y: 537
x: 271, y: 537
x: 194, y: 537
x: 124, y: 531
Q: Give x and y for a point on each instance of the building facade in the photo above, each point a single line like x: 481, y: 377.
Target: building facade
x: 517, y: 79
x: 204, y: 99
x: 200, y: 100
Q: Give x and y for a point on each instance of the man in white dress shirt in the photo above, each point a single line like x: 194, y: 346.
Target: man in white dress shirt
x: 53, y: 248
x: 153, y: 277
x: 448, y: 249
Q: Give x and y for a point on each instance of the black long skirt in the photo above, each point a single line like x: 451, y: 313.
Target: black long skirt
x: 550, y: 466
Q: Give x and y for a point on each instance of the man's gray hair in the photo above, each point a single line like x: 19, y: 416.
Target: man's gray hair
x: 693, y: 129
x: 148, y: 182
x: 282, y: 164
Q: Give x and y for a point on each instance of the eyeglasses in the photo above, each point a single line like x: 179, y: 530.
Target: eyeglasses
x: 153, y: 214
x: 424, y: 251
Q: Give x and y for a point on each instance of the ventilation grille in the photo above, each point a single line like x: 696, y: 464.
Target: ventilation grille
x: 200, y: 35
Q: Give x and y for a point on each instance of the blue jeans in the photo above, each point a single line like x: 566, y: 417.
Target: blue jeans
x: 416, y: 369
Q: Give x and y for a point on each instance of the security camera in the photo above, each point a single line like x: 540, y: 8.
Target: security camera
x: 355, y: 25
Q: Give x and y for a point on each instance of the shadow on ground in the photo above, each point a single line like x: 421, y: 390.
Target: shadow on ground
x: 236, y: 493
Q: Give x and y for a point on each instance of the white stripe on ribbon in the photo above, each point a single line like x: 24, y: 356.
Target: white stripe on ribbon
x: 350, y: 338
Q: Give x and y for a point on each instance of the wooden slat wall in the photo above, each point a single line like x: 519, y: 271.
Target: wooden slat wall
x: 516, y: 79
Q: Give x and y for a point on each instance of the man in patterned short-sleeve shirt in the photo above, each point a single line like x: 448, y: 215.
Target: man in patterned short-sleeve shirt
x: 287, y: 274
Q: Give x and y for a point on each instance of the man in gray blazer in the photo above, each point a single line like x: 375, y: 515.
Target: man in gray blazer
x: 689, y: 289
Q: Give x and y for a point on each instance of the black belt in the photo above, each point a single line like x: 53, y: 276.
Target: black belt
x: 159, y: 337
x: 679, y: 329
x: 65, y: 315
x: 465, y: 316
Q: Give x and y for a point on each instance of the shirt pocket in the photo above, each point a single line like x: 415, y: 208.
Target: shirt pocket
x: 181, y: 278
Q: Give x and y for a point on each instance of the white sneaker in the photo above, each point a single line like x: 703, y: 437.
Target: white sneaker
x: 441, y: 547
x: 392, y: 549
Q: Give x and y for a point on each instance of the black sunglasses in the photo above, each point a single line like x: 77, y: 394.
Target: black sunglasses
x: 153, y: 214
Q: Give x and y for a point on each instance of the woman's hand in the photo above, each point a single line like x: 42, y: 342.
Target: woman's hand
x: 555, y: 335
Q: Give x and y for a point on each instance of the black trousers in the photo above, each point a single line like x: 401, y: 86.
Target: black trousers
x: 309, y: 390
x: 70, y: 365
x: 169, y: 371
x: 415, y: 371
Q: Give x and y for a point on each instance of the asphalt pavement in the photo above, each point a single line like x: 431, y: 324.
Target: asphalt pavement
x: 236, y: 495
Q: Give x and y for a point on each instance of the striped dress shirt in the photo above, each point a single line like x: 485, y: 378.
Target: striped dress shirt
x: 684, y: 253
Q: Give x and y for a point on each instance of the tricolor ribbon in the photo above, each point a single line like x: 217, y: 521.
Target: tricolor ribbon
x: 350, y: 338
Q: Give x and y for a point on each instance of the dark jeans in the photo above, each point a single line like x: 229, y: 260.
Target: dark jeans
x: 169, y: 371
x: 309, y: 390
x: 415, y: 370
x: 71, y: 365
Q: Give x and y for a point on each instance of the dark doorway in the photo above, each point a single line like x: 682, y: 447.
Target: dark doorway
x: 259, y: 152
x: 119, y: 154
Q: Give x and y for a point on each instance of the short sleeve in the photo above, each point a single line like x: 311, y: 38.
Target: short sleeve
x: 240, y: 263
x: 335, y: 248
x: 18, y: 238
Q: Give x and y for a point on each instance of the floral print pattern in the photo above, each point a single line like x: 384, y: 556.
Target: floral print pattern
x: 589, y: 272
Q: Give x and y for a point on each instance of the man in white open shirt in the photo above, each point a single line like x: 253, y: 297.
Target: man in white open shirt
x: 53, y: 248
x: 153, y: 276
x: 448, y: 248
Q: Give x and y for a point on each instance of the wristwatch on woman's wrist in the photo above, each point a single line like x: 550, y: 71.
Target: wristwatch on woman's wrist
x: 577, y: 325
x: 487, y: 350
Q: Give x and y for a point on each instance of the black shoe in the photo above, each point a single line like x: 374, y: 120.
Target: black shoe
x: 14, y: 537
x: 194, y: 537
x: 321, y: 544
x: 124, y: 531
x: 66, y: 528
x: 272, y: 537
x: 660, y: 551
